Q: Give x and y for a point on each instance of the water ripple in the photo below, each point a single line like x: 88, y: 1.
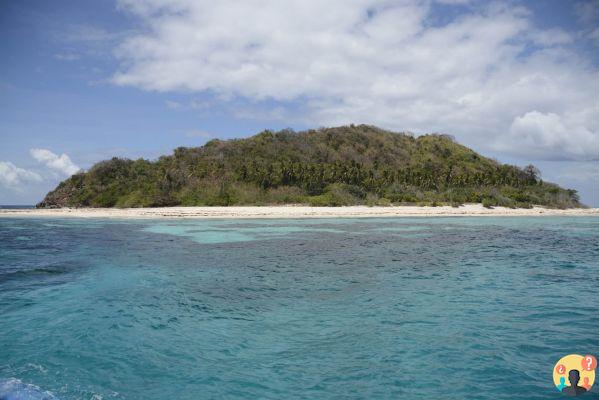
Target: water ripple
x: 446, y: 308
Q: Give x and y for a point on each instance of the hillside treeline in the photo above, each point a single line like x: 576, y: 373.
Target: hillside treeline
x: 330, y: 166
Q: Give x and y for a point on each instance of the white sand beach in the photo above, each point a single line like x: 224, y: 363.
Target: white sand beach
x: 291, y: 211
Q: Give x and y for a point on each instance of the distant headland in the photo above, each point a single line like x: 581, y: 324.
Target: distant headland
x: 342, y: 166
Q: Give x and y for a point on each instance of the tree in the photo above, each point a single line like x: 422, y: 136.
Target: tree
x: 532, y: 173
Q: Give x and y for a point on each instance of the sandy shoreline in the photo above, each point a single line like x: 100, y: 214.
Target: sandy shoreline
x: 293, y: 212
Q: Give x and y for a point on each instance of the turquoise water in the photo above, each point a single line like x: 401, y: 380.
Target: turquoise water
x: 450, y: 308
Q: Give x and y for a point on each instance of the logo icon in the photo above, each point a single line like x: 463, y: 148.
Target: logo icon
x: 574, y: 375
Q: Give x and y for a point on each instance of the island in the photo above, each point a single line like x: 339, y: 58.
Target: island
x: 341, y: 166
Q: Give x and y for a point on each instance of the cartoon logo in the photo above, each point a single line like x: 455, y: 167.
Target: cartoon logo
x: 574, y: 375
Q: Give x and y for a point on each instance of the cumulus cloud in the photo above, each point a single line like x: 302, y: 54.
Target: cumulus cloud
x: 13, y: 177
x: 489, y: 76
x: 568, y: 134
x: 61, y: 164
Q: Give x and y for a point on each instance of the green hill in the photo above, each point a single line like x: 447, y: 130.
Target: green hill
x: 330, y: 166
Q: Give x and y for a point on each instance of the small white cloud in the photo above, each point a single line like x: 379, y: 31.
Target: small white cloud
x: 453, y: 2
x: 551, y: 37
x: 13, y: 177
x: 62, y: 163
x: 199, y: 105
x: 189, y: 105
x: 199, y: 134
x: 66, y: 56
x: 88, y: 33
x: 173, y: 105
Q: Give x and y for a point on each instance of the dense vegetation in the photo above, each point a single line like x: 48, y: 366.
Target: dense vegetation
x: 330, y: 166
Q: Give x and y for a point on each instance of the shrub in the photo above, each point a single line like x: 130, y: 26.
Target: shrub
x: 285, y: 195
x: 489, y: 202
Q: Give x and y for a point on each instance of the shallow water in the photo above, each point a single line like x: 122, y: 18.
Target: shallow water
x: 416, y: 308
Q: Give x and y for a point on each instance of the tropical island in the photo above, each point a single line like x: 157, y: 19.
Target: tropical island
x: 341, y: 166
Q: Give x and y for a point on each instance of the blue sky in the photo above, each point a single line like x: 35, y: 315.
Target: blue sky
x: 84, y: 81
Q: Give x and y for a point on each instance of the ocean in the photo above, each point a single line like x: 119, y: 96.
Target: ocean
x: 410, y: 308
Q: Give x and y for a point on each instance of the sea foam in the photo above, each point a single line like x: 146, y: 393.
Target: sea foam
x: 15, y: 389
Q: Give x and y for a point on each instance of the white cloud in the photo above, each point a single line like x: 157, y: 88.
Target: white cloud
x: 199, y: 134
x: 489, y: 76
x: 551, y: 37
x: 453, y: 2
x: 66, y: 56
x: 173, y: 105
x: 88, y: 34
x: 13, y: 177
x: 61, y: 164
x: 566, y: 134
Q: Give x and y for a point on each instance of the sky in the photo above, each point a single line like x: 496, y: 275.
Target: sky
x: 83, y: 81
